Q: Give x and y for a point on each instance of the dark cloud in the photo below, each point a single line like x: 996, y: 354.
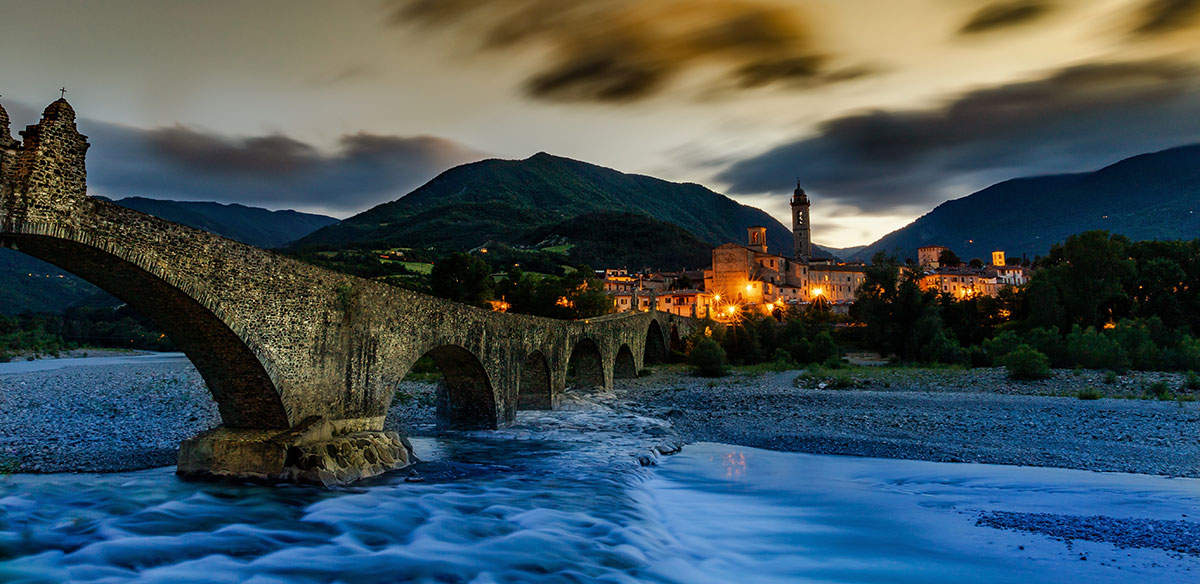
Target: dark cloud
x: 255, y: 155
x: 273, y: 171
x: 626, y: 50
x: 1162, y: 16
x: 1079, y: 118
x: 1003, y: 15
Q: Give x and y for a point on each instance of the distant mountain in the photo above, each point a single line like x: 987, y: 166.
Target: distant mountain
x: 28, y: 284
x: 252, y: 225
x: 515, y: 201
x: 1151, y: 196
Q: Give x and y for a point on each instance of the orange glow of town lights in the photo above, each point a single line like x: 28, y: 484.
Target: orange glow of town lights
x: 749, y: 287
x: 818, y: 291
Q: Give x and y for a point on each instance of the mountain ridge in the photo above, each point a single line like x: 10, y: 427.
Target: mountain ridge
x: 507, y: 200
x: 1155, y: 195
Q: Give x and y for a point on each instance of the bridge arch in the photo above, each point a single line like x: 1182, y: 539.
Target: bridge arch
x: 624, y: 367
x: 587, y: 364
x: 243, y: 388
x: 465, y: 397
x: 533, y: 389
x: 656, y: 344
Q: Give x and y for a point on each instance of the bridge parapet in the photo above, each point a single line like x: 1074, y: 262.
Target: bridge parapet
x: 300, y: 360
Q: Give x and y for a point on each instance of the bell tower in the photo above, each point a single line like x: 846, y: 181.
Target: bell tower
x: 801, y: 232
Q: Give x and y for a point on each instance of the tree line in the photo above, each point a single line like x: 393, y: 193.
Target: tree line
x: 1096, y: 300
x: 51, y: 333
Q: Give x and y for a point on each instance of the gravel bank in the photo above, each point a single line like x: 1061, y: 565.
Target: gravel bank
x: 102, y: 418
x: 133, y: 415
x: 952, y: 416
x: 1178, y: 536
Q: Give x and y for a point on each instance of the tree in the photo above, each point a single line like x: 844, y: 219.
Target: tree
x: 976, y: 263
x: 462, y: 278
x: 890, y: 305
x: 948, y: 258
x: 707, y: 358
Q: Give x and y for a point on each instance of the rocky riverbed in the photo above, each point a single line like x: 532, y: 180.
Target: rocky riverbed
x: 132, y: 415
x: 938, y: 415
x: 100, y: 414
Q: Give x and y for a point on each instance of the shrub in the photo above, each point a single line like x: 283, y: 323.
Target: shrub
x: 741, y: 344
x: 977, y: 356
x: 782, y: 356
x: 942, y: 348
x: 1000, y: 345
x: 1110, y: 377
x: 1048, y: 342
x: 1188, y: 354
x: 1191, y: 381
x: 824, y: 349
x: 1135, y: 339
x: 1158, y: 388
x: 816, y: 376
x: 800, y: 351
x: 707, y: 358
x: 1025, y: 362
x: 1089, y: 393
x: 1093, y: 350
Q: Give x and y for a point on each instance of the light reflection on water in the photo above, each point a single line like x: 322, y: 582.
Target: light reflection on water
x: 495, y: 511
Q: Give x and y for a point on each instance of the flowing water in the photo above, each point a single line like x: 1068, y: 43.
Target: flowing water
x: 541, y: 511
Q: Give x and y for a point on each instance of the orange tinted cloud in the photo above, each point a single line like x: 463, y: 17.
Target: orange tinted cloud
x: 626, y: 50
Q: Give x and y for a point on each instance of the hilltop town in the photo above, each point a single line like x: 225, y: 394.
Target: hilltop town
x: 750, y: 278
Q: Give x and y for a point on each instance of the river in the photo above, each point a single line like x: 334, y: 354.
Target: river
x: 495, y: 511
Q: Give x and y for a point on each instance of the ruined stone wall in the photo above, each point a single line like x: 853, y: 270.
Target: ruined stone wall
x: 8, y: 150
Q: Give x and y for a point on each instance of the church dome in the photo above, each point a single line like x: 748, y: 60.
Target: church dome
x: 59, y: 110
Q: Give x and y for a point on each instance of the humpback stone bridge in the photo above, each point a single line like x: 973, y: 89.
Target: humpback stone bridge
x: 302, y: 362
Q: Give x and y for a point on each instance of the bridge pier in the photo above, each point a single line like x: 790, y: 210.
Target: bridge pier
x: 311, y: 452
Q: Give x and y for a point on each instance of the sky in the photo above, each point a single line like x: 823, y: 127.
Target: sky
x: 881, y: 109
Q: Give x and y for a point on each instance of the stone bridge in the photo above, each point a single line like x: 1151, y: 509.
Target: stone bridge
x: 302, y: 362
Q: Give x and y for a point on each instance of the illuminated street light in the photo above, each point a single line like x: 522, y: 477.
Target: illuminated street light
x: 818, y: 291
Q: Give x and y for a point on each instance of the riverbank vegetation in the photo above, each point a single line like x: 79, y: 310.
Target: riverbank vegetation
x: 1097, y: 301
x: 51, y: 333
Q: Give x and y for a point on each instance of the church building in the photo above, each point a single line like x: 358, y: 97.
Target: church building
x: 749, y: 277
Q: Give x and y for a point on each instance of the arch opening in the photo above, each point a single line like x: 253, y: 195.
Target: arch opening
x: 676, y: 341
x: 624, y: 367
x: 534, y: 393
x: 245, y: 394
x: 465, y: 399
x: 585, y: 370
x: 656, y: 345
